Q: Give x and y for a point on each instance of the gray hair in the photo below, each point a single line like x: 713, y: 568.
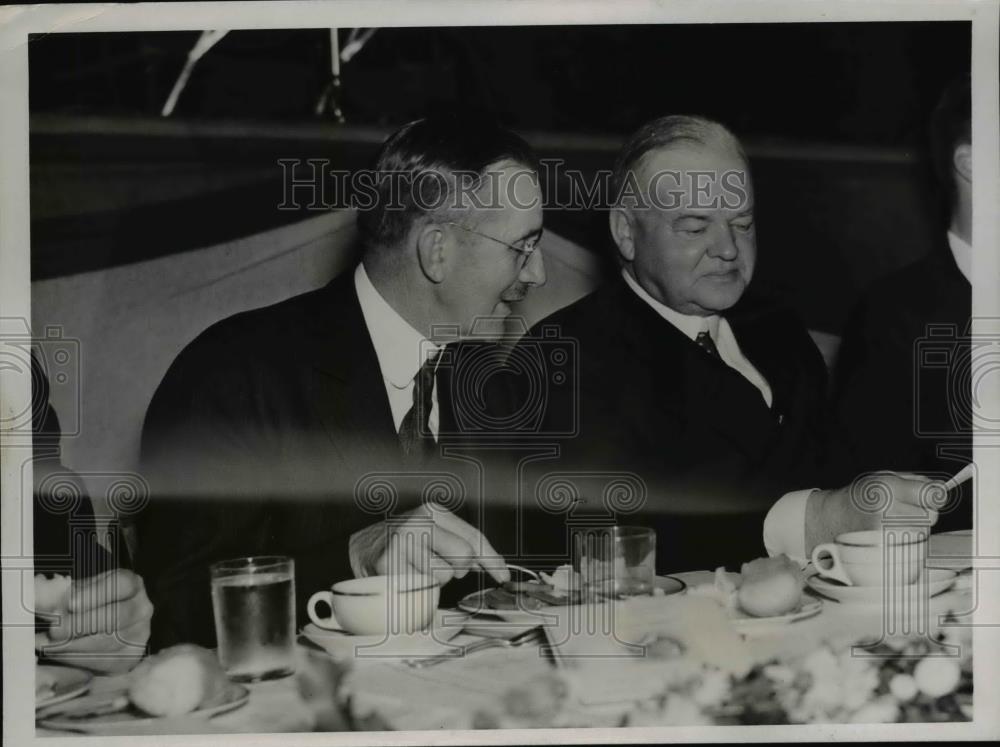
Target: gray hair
x: 665, y: 132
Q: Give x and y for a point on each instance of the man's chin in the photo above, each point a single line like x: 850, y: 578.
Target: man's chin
x: 502, y: 309
x: 722, y: 298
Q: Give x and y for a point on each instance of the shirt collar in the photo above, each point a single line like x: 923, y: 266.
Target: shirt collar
x: 689, y: 324
x: 962, y: 251
x: 401, y: 350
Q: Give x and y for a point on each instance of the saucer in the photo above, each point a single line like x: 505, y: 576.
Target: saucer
x: 748, y: 624
x: 342, y: 645
x: 938, y: 581
x: 80, y: 716
x: 950, y: 550
x: 549, y: 616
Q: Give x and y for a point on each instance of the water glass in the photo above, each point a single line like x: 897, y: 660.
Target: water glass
x: 254, y: 604
x: 615, y: 561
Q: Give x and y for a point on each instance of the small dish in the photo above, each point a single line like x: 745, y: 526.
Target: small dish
x: 342, y: 645
x: 129, y: 718
x: 474, y: 604
x: 67, y: 683
x: 938, y: 581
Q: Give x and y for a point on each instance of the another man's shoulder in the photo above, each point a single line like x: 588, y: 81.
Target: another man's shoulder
x: 767, y: 309
x: 586, y: 315
x: 902, y: 303
x: 919, y: 282
x: 261, y: 333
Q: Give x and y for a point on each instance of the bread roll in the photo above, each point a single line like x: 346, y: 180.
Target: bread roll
x: 770, y: 587
x: 177, y: 680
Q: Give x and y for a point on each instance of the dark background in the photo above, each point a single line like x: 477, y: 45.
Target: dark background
x: 833, y: 116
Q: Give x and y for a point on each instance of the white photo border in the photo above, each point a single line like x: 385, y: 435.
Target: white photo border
x: 17, y: 22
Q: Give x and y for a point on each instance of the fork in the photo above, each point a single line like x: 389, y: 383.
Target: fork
x: 529, y: 635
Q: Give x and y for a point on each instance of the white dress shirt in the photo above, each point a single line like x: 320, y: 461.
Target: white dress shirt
x: 962, y: 252
x: 784, y: 527
x: 401, y: 350
x: 719, y: 330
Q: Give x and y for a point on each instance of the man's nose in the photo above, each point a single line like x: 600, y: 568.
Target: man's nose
x: 533, y: 272
x: 724, y: 246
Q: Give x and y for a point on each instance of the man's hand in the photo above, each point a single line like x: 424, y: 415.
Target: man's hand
x: 869, y: 501
x: 106, y: 626
x: 429, y: 540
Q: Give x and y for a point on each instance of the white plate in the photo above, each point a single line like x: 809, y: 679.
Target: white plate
x: 951, y: 550
x: 473, y: 604
x: 939, y: 581
x: 747, y: 624
x: 69, y: 683
x: 131, y: 719
x: 342, y: 645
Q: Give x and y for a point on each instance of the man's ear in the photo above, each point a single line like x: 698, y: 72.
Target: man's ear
x: 962, y: 161
x: 431, y: 252
x: 620, y: 223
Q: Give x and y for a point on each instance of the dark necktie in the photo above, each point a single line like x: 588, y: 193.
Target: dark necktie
x: 415, y: 435
x: 706, y: 343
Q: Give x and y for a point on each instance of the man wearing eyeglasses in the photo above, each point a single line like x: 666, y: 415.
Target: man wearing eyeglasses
x: 305, y: 428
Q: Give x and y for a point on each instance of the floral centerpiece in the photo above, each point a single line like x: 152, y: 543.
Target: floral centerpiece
x: 899, y: 680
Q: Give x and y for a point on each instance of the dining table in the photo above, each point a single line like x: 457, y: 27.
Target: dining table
x: 386, y: 692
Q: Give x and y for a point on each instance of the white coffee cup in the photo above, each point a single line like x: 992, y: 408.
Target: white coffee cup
x: 378, y: 605
x: 871, y: 557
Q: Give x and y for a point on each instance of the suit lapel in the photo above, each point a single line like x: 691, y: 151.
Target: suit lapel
x: 710, y: 393
x: 346, y: 383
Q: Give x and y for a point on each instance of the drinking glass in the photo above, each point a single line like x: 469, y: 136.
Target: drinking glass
x: 615, y: 561
x: 254, y: 604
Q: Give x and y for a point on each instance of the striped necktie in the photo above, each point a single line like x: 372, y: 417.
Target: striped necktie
x: 415, y: 435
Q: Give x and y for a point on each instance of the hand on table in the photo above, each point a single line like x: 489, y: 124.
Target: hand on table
x: 429, y: 540
x: 869, y: 501
x: 104, y: 626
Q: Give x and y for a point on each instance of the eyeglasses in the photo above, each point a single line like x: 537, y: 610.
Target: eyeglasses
x: 525, y: 250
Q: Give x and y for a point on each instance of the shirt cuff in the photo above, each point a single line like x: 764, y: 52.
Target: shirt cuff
x: 785, y: 526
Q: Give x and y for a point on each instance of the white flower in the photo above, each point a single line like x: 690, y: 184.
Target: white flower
x: 821, y: 663
x: 903, y: 687
x: 937, y: 676
x: 678, y: 672
x: 682, y: 711
x: 896, y: 642
x: 677, y: 711
x: 824, y: 695
x: 713, y: 689
x: 885, y: 710
x: 779, y: 674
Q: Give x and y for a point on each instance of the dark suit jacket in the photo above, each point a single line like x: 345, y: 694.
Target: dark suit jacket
x: 712, y: 455
x: 902, y: 383
x: 261, y: 439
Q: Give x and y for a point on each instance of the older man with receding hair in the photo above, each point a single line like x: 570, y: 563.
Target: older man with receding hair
x: 714, y: 396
